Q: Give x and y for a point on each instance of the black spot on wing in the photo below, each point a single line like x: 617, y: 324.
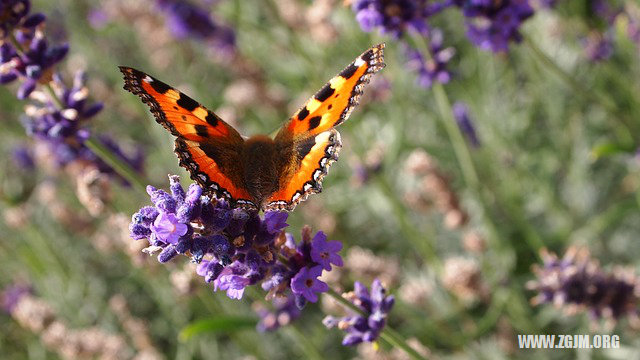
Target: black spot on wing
x: 212, y: 152
x: 314, y: 122
x: 201, y: 130
x: 303, y: 113
x: 211, y: 119
x: 349, y: 71
x: 367, y: 56
x: 159, y: 86
x: 187, y: 103
x: 325, y: 93
x: 303, y: 148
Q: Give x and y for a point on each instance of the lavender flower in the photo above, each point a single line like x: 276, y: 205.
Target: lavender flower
x: 364, y: 327
x: 186, y: 19
x: 577, y: 283
x: 434, y: 69
x: 28, y: 55
x: 461, y: 114
x: 234, y: 248
x: 492, y: 25
x: 57, y: 119
x: 395, y: 17
x: 597, y: 46
x: 306, y: 283
x: 325, y: 252
x: 23, y: 158
x: 12, y: 295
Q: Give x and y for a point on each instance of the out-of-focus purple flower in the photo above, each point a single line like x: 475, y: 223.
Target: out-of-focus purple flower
x: 307, y: 284
x: 434, y: 69
x: 576, y: 282
x: 63, y: 126
x: 15, y: 15
x: 395, y: 17
x: 186, y: 19
x: 58, y: 119
x: 364, y: 327
x: 28, y: 55
x: 633, y: 27
x: 325, y: 252
x: 23, y: 158
x: 597, y: 46
x: 12, y: 294
x: 492, y: 25
x: 98, y: 18
x: 461, y: 114
x: 234, y: 248
x: 284, y: 312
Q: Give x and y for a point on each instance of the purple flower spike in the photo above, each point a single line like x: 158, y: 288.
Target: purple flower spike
x: 168, y: 229
x: 434, y: 69
x: 396, y: 17
x: 236, y: 248
x: 185, y: 20
x: 576, y: 281
x: 493, y: 25
x: 461, y: 114
x: 306, y: 283
x: 325, y: 252
x: 375, y: 304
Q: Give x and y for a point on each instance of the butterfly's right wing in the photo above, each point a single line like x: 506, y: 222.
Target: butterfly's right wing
x: 207, y: 147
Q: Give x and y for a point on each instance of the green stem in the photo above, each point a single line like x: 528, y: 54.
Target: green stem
x: 54, y: 96
x: 419, y: 240
x: 388, y: 334
x: 16, y: 44
x: 455, y: 135
x: 119, y: 166
x: 588, y: 94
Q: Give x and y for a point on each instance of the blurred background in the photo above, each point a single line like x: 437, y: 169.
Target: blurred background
x: 495, y: 131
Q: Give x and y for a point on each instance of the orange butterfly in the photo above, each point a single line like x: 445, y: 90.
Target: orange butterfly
x: 260, y: 172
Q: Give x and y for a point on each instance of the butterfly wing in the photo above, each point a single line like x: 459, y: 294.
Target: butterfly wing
x: 308, y: 138
x: 309, y: 163
x: 333, y: 104
x: 207, y: 147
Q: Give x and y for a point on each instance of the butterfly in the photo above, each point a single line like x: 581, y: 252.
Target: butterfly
x: 259, y: 173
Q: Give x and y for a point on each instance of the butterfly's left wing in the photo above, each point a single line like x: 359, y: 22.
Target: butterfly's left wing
x: 309, y: 139
x: 207, y: 147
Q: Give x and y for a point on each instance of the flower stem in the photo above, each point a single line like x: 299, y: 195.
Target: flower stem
x: 419, y: 240
x: 455, y: 135
x: 119, y: 166
x: 388, y: 334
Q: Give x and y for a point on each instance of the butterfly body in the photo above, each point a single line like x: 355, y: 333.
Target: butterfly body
x: 259, y: 172
x: 263, y: 160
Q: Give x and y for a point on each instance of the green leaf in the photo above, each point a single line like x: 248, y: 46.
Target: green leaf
x: 608, y: 149
x: 218, y: 324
